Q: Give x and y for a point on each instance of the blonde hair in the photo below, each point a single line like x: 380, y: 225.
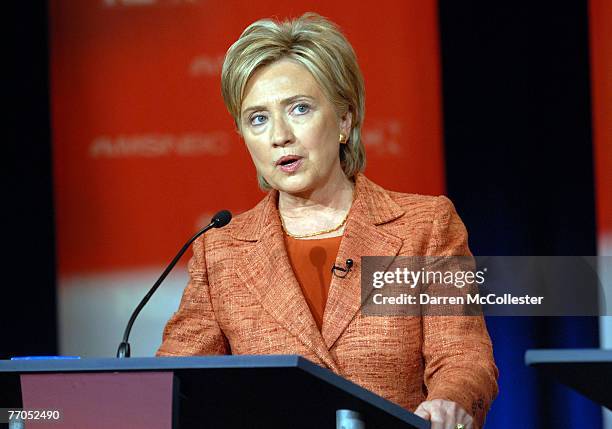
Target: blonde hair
x: 317, y: 44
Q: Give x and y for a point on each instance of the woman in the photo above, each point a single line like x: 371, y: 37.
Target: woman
x: 263, y: 285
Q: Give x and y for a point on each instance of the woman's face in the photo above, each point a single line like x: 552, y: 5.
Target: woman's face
x: 291, y: 129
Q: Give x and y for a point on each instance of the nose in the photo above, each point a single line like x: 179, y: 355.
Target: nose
x: 281, y: 132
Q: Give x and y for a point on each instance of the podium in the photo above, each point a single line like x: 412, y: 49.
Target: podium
x: 588, y: 371
x: 284, y: 391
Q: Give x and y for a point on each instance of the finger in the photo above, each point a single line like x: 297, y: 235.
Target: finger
x: 437, y: 418
x: 461, y: 416
x: 451, y: 423
x: 452, y: 412
x: 422, y: 412
x: 467, y: 421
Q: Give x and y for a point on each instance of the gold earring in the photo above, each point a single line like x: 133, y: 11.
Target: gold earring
x: 343, y: 138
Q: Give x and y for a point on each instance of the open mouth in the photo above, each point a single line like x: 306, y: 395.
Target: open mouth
x: 289, y: 163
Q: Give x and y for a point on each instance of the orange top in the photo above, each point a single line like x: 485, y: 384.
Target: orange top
x: 312, y: 261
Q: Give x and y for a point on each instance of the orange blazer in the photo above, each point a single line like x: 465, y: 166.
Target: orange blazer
x: 243, y: 298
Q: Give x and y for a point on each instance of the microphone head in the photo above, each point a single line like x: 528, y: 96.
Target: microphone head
x: 221, y: 219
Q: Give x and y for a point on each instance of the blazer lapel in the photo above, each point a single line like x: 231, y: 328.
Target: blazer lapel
x: 266, y: 271
x: 362, y: 237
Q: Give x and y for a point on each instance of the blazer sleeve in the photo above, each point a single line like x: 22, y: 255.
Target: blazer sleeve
x: 457, y: 350
x: 193, y: 329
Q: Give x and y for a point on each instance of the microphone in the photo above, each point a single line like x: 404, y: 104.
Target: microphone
x: 219, y: 220
x: 345, y: 271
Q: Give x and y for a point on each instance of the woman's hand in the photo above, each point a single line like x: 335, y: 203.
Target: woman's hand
x: 444, y: 414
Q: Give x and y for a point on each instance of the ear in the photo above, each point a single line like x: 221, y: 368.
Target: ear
x: 346, y: 123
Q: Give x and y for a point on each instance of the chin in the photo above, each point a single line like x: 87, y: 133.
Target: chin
x: 293, y: 185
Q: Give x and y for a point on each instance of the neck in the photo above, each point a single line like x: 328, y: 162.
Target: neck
x: 334, y: 195
x: 317, y: 210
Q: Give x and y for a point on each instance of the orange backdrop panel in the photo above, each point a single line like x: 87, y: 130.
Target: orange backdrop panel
x: 144, y: 149
x: 600, y: 22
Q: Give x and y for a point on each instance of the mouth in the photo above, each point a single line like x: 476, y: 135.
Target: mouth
x: 289, y: 163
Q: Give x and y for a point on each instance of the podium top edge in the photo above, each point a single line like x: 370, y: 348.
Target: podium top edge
x: 152, y: 363
x: 552, y: 356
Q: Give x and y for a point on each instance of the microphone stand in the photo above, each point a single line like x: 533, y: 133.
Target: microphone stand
x: 219, y: 220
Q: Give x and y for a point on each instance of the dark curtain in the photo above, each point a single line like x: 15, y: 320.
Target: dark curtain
x: 520, y: 171
x: 28, y: 314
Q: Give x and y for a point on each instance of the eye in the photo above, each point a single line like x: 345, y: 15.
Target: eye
x: 258, y: 119
x: 301, y: 109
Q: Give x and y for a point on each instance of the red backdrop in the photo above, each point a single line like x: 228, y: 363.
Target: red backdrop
x: 600, y: 21
x: 144, y: 149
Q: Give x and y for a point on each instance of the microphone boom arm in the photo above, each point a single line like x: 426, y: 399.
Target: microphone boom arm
x: 219, y: 220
